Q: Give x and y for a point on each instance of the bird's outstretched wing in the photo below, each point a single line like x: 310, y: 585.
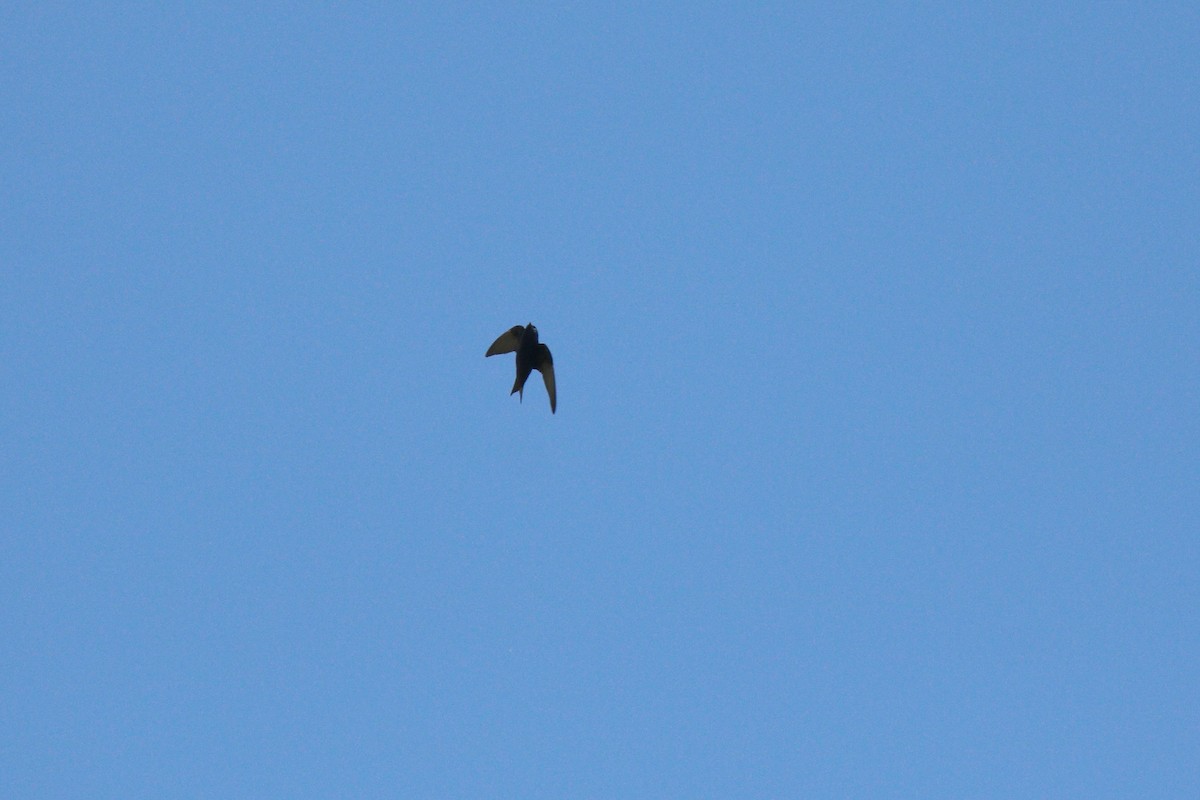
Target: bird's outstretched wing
x: 507, y: 342
x: 545, y: 365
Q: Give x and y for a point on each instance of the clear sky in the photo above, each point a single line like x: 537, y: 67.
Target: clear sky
x: 876, y: 466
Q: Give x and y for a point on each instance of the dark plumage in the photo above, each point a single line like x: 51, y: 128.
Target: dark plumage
x: 531, y: 355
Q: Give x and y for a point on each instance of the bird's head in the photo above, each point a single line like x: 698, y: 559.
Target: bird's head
x: 531, y: 331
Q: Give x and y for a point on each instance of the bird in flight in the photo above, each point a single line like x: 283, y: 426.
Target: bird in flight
x: 531, y: 355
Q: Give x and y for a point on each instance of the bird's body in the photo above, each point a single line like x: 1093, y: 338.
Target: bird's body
x: 531, y: 355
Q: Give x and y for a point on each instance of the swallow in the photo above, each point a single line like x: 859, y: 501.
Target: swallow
x: 531, y: 355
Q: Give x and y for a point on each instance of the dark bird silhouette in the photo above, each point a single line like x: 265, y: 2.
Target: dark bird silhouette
x: 531, y: 355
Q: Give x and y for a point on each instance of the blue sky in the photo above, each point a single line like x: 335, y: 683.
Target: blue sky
x: 875, y: 468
